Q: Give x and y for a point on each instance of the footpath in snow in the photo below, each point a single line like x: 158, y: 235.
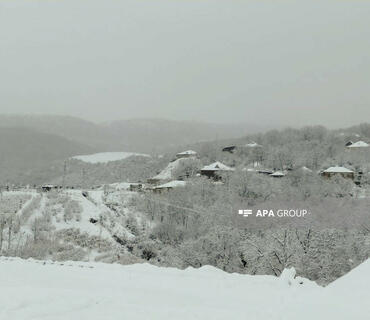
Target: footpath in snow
x: 45, y: 290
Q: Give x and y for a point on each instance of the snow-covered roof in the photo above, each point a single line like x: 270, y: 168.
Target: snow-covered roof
x: 277, y: 174
x: 253, y: 145
x: 217, y: 166
x: 338, y: 170
x: 172, y: 184
x: 359, y: 144
x: 187, y: 152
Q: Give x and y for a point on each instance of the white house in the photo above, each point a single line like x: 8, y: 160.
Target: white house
x: 358, y: 144
x: 169, y: 186
x: 186, y: 154
x: 253, y: 145
x: 277, y: 174
x: 217, y: 167
x: 344, y: 172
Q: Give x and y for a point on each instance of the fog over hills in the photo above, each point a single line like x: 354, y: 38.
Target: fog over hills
x: 24, y: 149
x: 138, y: 135
x: 34, y: 142
x: 76, y: 129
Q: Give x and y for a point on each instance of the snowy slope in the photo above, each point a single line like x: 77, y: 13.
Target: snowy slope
x: 105, y: 157
x: 89, y: 222
x: 45, y: 290
x: 167, y: 173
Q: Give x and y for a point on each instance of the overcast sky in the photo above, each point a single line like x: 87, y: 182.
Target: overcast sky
x: 276, y: 62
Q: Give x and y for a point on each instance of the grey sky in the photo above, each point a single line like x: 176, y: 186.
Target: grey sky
x: 276, y: 62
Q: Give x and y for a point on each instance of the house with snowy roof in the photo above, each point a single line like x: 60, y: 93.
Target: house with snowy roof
x: 214, y: 170
x: 358, y: 145
x: 186, y: 154
x: 169, y: 186
x: 253, y: 145
x: 338, y: 171
x: 277, y: 174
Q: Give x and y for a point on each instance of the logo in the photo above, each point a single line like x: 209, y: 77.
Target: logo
x: 245, y: 213
x: 281, y: 213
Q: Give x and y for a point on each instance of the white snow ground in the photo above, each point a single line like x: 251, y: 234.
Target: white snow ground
x: 45, y: 290
x: 105, y: 157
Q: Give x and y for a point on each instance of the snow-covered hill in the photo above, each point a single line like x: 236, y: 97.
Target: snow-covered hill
x: 105, y: 157
x: 45, y: 290
x: 68, y: 224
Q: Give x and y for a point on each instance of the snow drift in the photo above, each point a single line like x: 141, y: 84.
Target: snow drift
x: 46, y: 290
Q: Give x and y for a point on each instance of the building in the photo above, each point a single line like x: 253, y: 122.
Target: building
x: 277, y: 174
x: 265, y: 171
x: 136, y: 186
x: 338, y: 171
x: 253, y: 145
x: 50, y: 187
x: 169, y: 186
x: 186, y: 154
x: 214, y: 170
x: 230, y: 149
x: 358, y: 145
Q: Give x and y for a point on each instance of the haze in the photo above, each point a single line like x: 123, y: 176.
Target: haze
x: 263, y: 62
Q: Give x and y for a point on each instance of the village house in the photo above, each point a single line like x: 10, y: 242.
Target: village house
x: 50, y: 187
x: 169, y: 186
x: 136, y: 186
x: 277, y: 174
x: 335, y: 171
x: 358, y: 145
x: 265, y: 171
x: 229, y: 149
x: 214, y: 170
x: 186, y: 154
x: 253, y: 145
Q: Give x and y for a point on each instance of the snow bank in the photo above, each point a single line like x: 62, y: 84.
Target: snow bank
x: 105, y: 157
x: 46, y: 290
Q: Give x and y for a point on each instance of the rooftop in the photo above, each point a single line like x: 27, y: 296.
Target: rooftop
x: 359, y: 144
x: 187, y: 152
x: 217, y: 166
x: 172, y: 184
x: 338, y: 170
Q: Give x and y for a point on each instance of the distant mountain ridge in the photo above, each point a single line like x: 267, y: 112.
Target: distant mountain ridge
x: 24, y: 149
x: 136, y: 135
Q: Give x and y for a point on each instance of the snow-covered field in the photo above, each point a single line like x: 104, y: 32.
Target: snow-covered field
x: 105, y: 157
x: 44, y: 290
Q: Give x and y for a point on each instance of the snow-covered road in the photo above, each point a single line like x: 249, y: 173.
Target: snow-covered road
x: 44, y: 290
